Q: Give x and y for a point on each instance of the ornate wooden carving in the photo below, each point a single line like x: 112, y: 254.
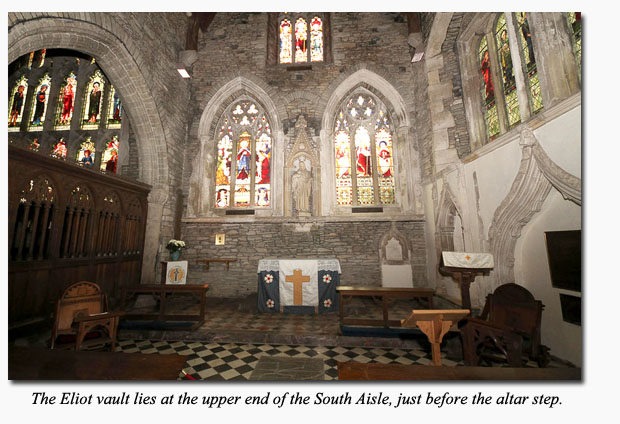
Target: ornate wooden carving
x: 68, y: 224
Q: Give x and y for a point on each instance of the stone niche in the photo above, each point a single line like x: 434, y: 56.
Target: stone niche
x: 395, y: 263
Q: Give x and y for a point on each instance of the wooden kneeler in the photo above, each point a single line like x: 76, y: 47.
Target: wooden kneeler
x: 435, y: 323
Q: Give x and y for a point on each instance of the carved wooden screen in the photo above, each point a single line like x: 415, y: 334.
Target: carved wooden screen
x: 68, y: 224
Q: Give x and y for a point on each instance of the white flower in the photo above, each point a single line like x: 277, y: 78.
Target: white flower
x: 327, y: 303
x: 327, y: 278
x: 270, y: 303
x: 268, y: 278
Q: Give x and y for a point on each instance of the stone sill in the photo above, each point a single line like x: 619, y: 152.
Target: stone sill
x: 536, y: 121
x: 304, y: 220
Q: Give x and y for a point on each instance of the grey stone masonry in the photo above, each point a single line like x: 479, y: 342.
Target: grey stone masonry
x: 355, y: 244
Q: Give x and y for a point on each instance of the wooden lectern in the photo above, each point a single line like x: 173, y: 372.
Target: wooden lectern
x: 435, y: 323
x: 463, y: 268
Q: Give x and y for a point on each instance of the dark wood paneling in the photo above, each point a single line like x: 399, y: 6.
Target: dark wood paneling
x: 59, y: 235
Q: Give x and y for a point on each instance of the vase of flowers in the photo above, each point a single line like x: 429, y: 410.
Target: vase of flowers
x: 175, y: 247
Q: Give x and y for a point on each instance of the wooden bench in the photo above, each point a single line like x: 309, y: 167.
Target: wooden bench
x: 347, y: 293
x: 163, y: 290
x: 378, y: 371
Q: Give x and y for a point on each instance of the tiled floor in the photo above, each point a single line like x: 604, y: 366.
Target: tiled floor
x: 231, y: 361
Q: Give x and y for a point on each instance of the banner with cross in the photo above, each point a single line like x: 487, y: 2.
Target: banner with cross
x: 298, y: 285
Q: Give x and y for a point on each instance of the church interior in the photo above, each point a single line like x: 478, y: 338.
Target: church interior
x: 294, y: 195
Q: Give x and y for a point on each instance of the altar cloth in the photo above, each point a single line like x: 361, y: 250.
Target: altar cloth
x: 301, y: 286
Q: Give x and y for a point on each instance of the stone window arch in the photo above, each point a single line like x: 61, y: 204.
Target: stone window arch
x: 298, y: 39
x: 244, y: 166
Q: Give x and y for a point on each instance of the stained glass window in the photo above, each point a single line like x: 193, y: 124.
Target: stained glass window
x: 59, y: 150
x: 363, y: 135
x: 109, y: 159
x: 316, y: 39
x: 286, y: 42
x: 244, y: 130
x: 574, y: 21
x: 115, y: 109
x: 86, y: 153
x: 39, y: 104
x: 301, y: 38
x: 91, y: 117
x: 508, y: 78
x: 488, y: 93
x: 65, y: 103
x: 529, y: 59
x: 16, y: 107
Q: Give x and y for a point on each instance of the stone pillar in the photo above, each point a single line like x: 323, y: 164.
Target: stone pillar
x: 557, y: 66
x: 157, y: 199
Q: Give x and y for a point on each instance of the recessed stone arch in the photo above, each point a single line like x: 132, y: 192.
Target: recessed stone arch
x: 406, y: 161
x: 200, y: 198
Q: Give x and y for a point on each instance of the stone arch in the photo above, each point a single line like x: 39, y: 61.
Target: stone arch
x: 121, y: 65
x: 445, y: 219
x: 384, y: 254
x: 200, y: 198
x: 406, y: 163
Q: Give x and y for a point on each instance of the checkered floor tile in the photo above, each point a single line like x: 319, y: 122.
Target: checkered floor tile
x: 230, y: 361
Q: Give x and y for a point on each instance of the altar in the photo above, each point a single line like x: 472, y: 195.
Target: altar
x: 298, y: 286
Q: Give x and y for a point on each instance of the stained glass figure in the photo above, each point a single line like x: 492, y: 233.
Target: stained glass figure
x: 574, y: 21
x: 41, y: 58
x: 34, y: 146
x: 66, y: 100
x: 59, y: 150
x: 16, y: 108
x: 505, y: 60
x: 531, y: 71
x: 115, y: 109
x: 301, y: 41
x: 30, y: 60
x: 488, y: 93
x: 222, y: 173
x: 316, y: 40
x: 39, y: 106
x: 86, y: 153
x: 91, y: 117
x: 286, y: 42
x: 344, y: 184
x: 385, y: 166
x: 109, y: 159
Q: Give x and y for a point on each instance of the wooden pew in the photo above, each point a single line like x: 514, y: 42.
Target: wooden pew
x: 163, y: 290
x: 377, y: 371
x: 347, y: 293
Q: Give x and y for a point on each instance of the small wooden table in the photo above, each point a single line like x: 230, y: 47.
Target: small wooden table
x: 385, y: 293
x: 435, y: 323
x: 47, y: 364
x: 163, y: 290
x: 208, y: 261
x: 377, y: 371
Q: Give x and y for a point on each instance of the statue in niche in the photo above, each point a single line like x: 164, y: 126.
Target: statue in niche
x: 301, y: 183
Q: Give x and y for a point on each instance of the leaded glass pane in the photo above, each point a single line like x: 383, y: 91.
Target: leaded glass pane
x: 66, y: 101
x: 316, y: 37
x: 263, y: 165
x: 383, y: 140
x: 86, y: 153
x: 344, y: 187
x: 110, y: 156
x: 39, y: 104
x: 286, y: 42
x: 530, y: 61
x: 16, y: 108
x: 91, y: 117
x: 301, y: 41
x: 59, y: 150
x: 242, y: 182
x: 363, y: 158
x: 574, y: 20
x: 488, y: 93
x: 508, y: 79
x: 115, y: 109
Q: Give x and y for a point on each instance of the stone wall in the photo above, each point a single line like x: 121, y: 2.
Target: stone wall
x: 355, y: 244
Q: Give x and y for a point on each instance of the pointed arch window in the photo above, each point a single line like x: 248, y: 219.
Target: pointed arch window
x: 508, y: 78
x: 16, y: 108
x: 363, y: 152
x: 39, y: 104
x: 301, y: 38
x: 66, y: 101
x: 244, y: 152
x: 529, y: 62
x: 488, y: 93
x: 91, y: 115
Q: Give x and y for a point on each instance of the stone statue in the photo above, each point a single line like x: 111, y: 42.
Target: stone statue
x: 302, y: 187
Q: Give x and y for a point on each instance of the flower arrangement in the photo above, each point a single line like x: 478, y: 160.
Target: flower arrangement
x: 175, y: 245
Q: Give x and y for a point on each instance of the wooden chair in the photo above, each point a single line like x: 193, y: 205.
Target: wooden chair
x: 509, y: 328
x: 82, y: 320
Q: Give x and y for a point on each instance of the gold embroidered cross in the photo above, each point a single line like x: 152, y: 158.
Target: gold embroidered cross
x: 297, y: 279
